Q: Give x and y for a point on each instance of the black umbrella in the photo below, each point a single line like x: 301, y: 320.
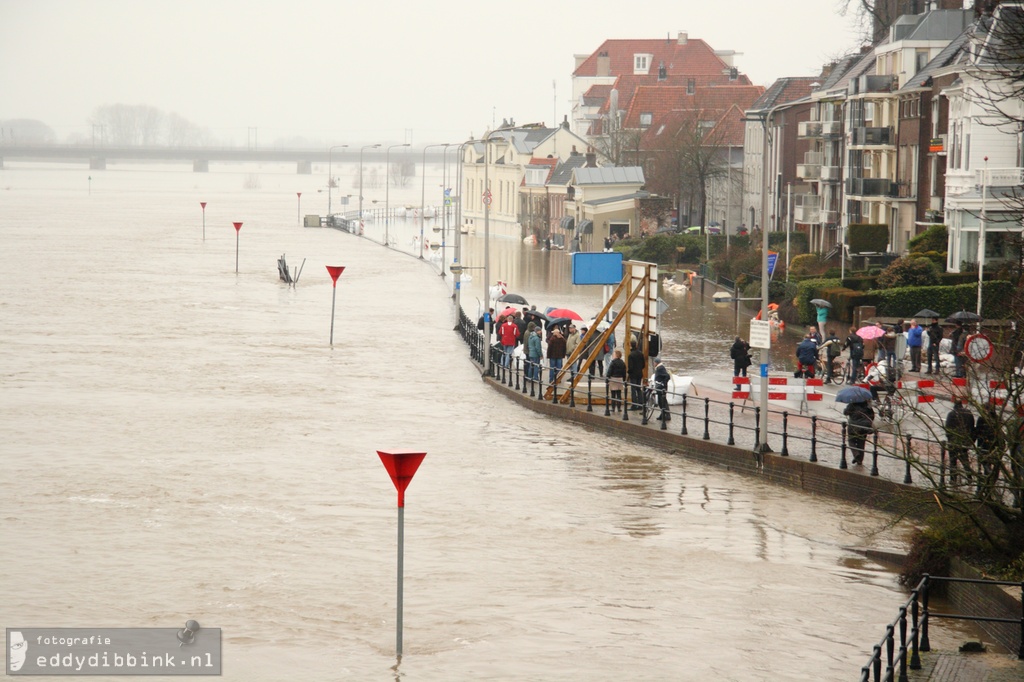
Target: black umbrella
x: 853, y: 394
x: 963, y: 316
x: 927, y: 312
x: 515, y: 299
x: 558, y: 322
x: 535, y: 316
x: 821, y: 303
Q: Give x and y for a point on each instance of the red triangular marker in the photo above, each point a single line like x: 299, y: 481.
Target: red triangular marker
x: 401, y: 467
x: 238, y: 226
x: 335, y: 272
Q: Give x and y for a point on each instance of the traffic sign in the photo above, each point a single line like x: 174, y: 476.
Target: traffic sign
x: 760, y: 334
x: 978, y: 347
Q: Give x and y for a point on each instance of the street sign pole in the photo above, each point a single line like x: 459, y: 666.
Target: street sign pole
x: 401, y: 466
x: 335, y: 272
x: 238, y: 228
x: 203, y: 204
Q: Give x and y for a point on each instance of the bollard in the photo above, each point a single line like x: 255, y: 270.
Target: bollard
x: 590, y: 397
x: 683, y: 432
x: 707, y: 408
x: 890, y: 640
x: 732, y: 410
x: 925, y: 644
x: 519, y: 370
x: 842, y: 450
x: 785, y: 434
x: 572, y: 394
x: 607, y: 397
x: 643, y: 414
x: 664, y: 419
x: 533, y: 381
x: 757, y: 429
x: 814, y: 438
x: 554, y: 391
x: 906, y: 477
x: 526, y: 364
x: 539, y: 369
x: 874, y: 453
x: 903, y: 642
x: 626, y: 388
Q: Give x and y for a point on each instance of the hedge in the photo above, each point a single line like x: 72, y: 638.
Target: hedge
x: 808, y: 289
x: 905, y: 301
x: 866, y: 238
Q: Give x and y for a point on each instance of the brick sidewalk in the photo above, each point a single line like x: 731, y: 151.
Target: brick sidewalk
x: 953, y: 666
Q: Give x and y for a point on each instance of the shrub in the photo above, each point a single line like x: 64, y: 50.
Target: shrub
x: 902, y: 301
x: 806, y: 290
x: 797, y: 242
x: 807, y: 264
x: 943, y: 537
x: 934, y: 239
x: 911, y: 271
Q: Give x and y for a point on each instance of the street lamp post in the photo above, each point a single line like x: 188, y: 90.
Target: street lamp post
x: 330, y: 177
x: 369, y: 146
x: 387, y: 187
x: 423, y: 190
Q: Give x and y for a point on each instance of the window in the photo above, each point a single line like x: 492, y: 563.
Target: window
x: 641, y: 64
x: 921, y: 60
x: 691, y: 86
x: 646, y: 118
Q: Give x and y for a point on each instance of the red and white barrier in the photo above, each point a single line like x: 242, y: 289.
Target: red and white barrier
x: 779, y: 388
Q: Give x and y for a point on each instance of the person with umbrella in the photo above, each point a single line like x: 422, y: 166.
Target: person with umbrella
x: 740, y: 354
x: 556, y: 353
x: 934, y: 341
x: 860, y: 418
x: 821, y: 311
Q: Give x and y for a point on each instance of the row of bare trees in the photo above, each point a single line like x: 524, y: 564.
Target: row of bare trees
x: 130, y: 125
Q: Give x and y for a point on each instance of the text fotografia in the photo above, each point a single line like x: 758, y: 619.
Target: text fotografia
x: 114, y: 651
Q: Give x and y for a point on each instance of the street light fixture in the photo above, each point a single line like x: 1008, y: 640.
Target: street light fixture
x: 369, y: 146
x: 423, y: 190
x: 330, y: 177
x: 387, y: 187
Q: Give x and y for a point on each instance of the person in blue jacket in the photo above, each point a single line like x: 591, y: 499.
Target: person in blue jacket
x: 806, y: 356
x: 914, y: 343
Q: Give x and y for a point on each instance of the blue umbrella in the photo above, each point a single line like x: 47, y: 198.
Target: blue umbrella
x: 853, y: 394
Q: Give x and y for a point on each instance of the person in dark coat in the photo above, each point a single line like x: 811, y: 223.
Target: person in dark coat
x: 616, y: 377
x: 556, y: 354
x: 635, y: 365
x: 934, y: 333
x: 855, y: 345
x: 986, y: 437
x: 860, y: 419
x: 958, y: 338
x: 806, y: 356
x: 661, y: 379
x: 960, y: 435
x: 740, y: 354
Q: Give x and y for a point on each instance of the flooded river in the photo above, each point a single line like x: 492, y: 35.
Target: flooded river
x: 182, y: 441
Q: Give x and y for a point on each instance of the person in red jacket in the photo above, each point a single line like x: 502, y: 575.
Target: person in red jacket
x: 508, y: 332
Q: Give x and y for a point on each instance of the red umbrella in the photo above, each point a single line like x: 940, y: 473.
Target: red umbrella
x: 564, y: 312
x: 508, y: 311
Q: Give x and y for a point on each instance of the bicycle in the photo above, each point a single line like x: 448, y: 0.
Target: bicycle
x: 839, y: 370
x: 891, y: 408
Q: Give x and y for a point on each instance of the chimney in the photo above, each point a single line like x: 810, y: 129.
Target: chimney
x: 574, y: 152
x: 682, y: 38
x: 591, y: 158
x: 604, y: 64
x: 565, y: 121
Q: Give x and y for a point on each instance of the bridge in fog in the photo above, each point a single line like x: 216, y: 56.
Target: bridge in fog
x: 97, y: 157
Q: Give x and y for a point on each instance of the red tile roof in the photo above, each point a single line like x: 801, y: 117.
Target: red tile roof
x: 694, y: 57
x: 535, y: 161
x: 709, y: 103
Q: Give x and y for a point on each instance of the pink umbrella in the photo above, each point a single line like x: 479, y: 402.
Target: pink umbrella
x: 564, y: 312
x: 870, y: 332
x: 507, y: 312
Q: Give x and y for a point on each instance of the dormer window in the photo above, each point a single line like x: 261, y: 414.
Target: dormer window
x: 662, y: 73
x: 691, y: 86
x: 646, y: 119
x: 642, y: 64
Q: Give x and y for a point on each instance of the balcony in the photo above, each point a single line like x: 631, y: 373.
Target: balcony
x: 871, y: 187
x: 830, y: 173
x: 831, y: 129
x: 829, y: 217
x: 808, y: 129
x: 872, y: 137
x: 810, y: 169
x: 807, y: 208
x: 866, y: 85
x: 999, y: 177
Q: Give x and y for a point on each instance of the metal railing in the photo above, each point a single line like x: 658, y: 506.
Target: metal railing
x: 900, y: 646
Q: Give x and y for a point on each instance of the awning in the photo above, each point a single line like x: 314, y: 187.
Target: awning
x: 567, y: 223
x: 587, y: 227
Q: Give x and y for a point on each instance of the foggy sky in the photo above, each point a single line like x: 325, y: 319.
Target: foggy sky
x: 376, y: 71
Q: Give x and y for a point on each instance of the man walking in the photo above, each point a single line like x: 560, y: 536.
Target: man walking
x: 508, y: 333
x: 556, y: 354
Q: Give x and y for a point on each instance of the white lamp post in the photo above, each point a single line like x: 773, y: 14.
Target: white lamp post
x: 369, y: 146
x: 423, y: 190
x: 387, y: 187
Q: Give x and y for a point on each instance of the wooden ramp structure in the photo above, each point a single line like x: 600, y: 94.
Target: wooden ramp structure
x: 636, y: 299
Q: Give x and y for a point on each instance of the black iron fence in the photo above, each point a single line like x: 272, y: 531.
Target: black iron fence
x: 907, y: 635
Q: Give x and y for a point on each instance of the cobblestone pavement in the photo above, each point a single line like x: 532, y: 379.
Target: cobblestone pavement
x: 953, y: 666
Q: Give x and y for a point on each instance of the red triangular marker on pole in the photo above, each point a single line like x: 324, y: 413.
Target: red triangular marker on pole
x: 401, y: 467
x: 335, y: 272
